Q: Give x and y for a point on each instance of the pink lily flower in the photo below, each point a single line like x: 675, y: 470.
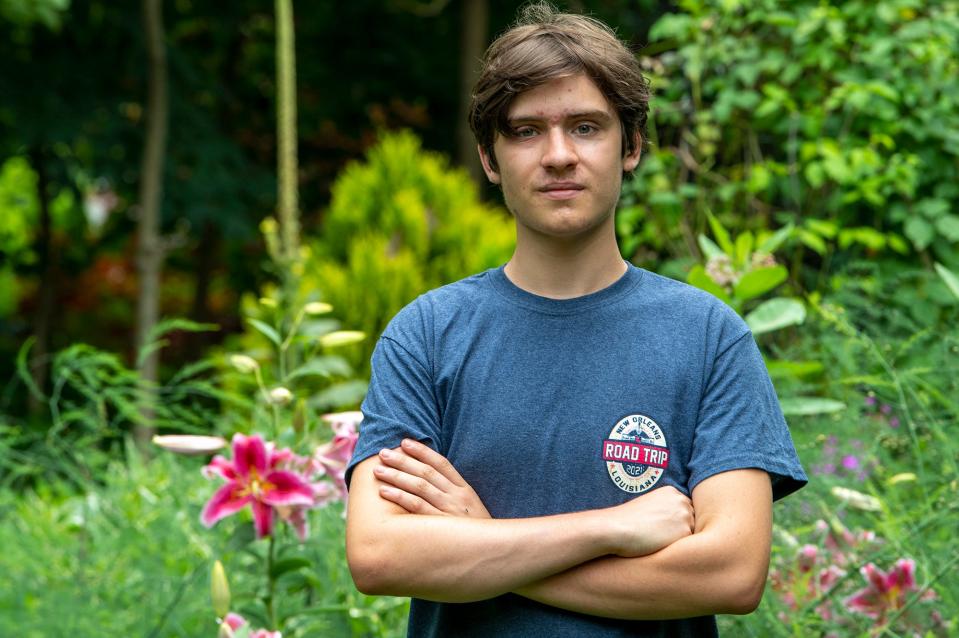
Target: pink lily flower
x: 334, y: 456
x: 884, y: 591
x: 253, y: 479
x: 235, y: 621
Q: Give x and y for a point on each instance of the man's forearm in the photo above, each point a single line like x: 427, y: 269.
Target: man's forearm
x: 719, y: 569
x: 459, y: 559
x: 451, y: 559
x: 694, y: 576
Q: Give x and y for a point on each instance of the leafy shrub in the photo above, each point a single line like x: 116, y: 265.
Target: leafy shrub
x: 399, y: 224
x: 841, y: 117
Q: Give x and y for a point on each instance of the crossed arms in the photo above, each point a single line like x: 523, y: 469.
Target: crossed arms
x: 416, y: 528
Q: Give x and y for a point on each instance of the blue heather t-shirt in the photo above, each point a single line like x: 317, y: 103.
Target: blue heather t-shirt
x: 549, y: 406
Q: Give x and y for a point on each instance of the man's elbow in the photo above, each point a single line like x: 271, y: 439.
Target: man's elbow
x: 744, y: 592
x: 369, y: 567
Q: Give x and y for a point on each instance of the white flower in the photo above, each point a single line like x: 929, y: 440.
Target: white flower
x: 243, y: 363
x: 280, y: 396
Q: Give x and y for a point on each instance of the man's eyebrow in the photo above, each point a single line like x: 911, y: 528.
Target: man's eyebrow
x: 600, y: 116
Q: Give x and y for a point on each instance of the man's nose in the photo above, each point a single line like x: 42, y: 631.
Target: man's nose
x: 560, y: 152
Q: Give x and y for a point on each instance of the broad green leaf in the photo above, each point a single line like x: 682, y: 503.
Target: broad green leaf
x: 772, y: 243
x: 774, y: 314
x: 698, y: 277
x: 722, y: 237
x: 760, y: 281
x: 805, y: 406
x: 342, y: 338
x: 827, y: 229
x: 948, y: 227
x: 919, y: 231
x: 950, y: 278
x: 709, y: 248
x: 266, y: 330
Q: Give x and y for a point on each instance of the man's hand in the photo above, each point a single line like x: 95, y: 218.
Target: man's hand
x: 422, y: 481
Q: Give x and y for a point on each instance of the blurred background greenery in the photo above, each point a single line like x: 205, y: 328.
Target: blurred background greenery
x: 803, y: 165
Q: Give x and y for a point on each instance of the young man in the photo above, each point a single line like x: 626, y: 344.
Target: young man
x: 567, y: 445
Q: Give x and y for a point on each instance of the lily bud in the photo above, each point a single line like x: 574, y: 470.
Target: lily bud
x: 189, y: 443
x: 280, y: 396
x: 856, y: 499
x: 317, y: 308
x: 243, y: 363
x: 341, y: 338
x: 220, y: 593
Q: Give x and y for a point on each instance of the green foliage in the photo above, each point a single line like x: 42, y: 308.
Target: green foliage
x: 399, y: 224
x: 843, y: 118
x: 129, y: 557
x: 895, y: 370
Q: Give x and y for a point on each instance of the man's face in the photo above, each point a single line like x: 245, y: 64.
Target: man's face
x: 561, y: 166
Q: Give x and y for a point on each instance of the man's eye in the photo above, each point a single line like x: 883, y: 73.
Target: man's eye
x: 524, y: 132
x: 585, y: 129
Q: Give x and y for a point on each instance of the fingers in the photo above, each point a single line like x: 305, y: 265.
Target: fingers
x: 398, y: 459
x: 410, y: 502
x: 434, y: 459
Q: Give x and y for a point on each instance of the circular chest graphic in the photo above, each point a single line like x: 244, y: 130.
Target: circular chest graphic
x: 635, y: 453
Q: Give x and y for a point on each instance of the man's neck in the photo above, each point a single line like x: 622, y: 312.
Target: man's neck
x: 564, y: 269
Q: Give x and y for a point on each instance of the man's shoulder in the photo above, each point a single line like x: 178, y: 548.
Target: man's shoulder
x: 680, y: 296
x: 439, y: 305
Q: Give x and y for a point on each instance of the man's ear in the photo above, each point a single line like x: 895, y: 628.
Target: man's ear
x: 631, y: 159
x: 491, y: 174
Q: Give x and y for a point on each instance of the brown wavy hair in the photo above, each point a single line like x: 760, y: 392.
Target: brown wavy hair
x: 544, y: 45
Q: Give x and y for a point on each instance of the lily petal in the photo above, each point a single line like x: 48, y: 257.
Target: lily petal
x: 287, y: 489
x: 262, y: 519
x: 249, y: 452
x: 225, y: 501
x: 220, y: 466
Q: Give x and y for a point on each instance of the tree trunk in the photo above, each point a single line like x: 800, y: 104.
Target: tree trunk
x: 149, y: 247
x: 286, y: 160
x: 474, y: 24
x: 49, y: 260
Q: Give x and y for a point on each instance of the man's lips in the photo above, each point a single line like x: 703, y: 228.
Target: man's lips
x: 561, y: 190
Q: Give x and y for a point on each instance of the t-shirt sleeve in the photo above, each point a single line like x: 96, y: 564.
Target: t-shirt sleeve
x: 740, y: 423
x: 399, y: 404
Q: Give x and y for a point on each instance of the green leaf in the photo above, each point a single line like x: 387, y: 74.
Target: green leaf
x: 709, y: 248
x: 23, y: 370
x: 326, y: 366
x: 772, y: 243
x: 698, y: 277
x: 267, y: 330
x: 774, y: 314
x: 760, y: 281
x: 827, y: 229
x: 948, y: 227
x: 919, y: 231
x: 805, y: 406
x: 722, y: 237
x: 950, y: 278
x: 348, y: 393
x: 812, y: 241
x: 286, y: 565
x: 744, y: 246
x: 782, y: 369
